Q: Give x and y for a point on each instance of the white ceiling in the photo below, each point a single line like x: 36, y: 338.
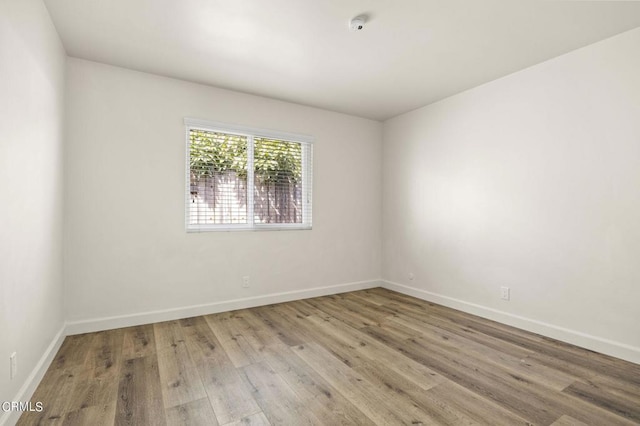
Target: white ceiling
x: 410, y: 53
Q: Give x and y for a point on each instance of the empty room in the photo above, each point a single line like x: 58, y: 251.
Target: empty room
x: 337, y: 212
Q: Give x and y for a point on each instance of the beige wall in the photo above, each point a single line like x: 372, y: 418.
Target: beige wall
x: 126, y: 148
x: 532, y: 182
x: 31, y: 122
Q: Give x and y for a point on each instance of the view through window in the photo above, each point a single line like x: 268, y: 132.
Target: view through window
x: 247, y: 181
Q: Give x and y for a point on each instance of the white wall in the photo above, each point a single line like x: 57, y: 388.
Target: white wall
x: 531, y: 181
x: 32, y: 63
x: 126, y: 146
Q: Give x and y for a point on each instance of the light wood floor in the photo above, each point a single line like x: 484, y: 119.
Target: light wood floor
x: 361, y: 358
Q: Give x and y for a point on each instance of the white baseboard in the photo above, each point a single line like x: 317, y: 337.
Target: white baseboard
x: 108, y: 323
x: 584, y: 340
x: 33, y: 380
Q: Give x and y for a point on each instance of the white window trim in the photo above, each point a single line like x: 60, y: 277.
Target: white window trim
x: 251, y: 132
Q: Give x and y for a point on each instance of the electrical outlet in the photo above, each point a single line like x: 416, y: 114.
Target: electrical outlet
x: 13, y: 362
x: 245, y: 281
x: 505, y: 293
x: 411, y: 276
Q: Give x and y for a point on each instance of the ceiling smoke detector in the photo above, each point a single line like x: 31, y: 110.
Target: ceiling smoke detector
x: 357, y: 23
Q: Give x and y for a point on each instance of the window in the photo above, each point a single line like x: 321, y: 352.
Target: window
x: 240, y: 178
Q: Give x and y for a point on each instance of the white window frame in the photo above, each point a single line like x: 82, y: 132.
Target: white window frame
x: 250, y: 133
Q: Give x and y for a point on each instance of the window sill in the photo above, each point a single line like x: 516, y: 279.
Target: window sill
x: 242, y: 228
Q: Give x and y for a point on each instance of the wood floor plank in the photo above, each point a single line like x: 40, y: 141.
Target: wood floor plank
x: 465, y: 374
x: 406, y: 301
x: 343, y: 348
x: 62, y: 377
x: 378, y: 296
x: 282, y: 327
x: 278, y: 401
x: 595, y: 395
x: 258, y: 334
x: 59, y: 382
x: 399, y: 388
x: 179, y: 378
x: 194, y: 413
x: 376, y: 404
x: 373, y: 350
x: 453, y: 327
x: 167, y: 334
x: 330, y: 306
x: 621, y: 389
x: 95, y: 415
x: 567, y: 421
x: 518, y: 366
x: 361, y: 358
x: 510, y: 391
x: 72, y: 354
x: 318, y: 396
x: 229, y: 396
x: 230, y: 331
x: 472, y: 406
x: 89, y: 391
x: 258, y: 419
x: 361, y: 302
x: 139, y: 393
x: 139, y: 341
x: 97, y: 383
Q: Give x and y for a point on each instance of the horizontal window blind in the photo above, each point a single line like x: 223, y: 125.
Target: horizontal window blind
x: 278, y: 183
x: 218, y: 178
x: 243, y: 179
